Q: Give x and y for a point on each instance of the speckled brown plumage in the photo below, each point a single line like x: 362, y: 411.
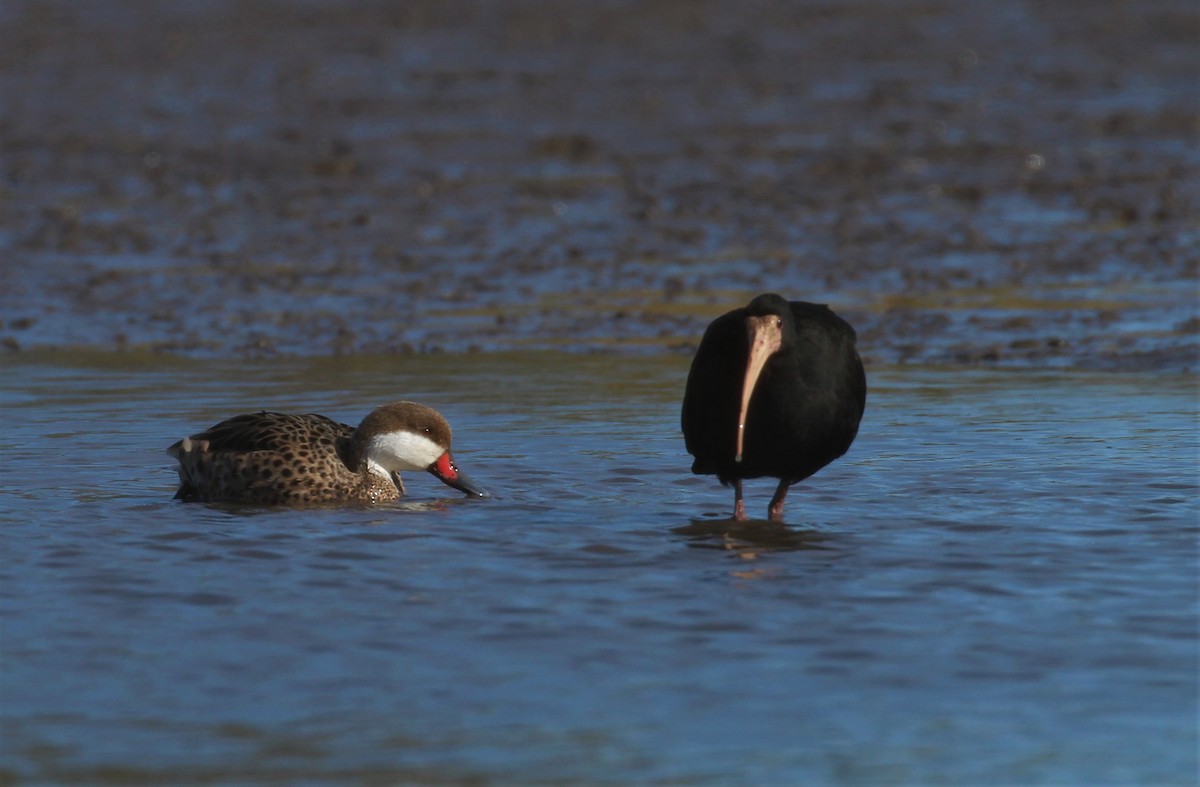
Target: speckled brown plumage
x: 279, y: 459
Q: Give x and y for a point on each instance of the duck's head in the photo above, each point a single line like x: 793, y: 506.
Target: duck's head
x: 410, y: 436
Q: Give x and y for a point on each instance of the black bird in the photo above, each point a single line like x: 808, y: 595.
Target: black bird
x: 776, y: 389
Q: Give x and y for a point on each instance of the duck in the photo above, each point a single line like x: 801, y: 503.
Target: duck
x: 776, y: 389
x: 271, y: 458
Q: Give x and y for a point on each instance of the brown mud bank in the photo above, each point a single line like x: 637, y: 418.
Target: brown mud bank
x: 967, y: 182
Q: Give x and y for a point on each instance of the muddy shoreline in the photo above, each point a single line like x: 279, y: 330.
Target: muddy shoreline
x: 967, y: 183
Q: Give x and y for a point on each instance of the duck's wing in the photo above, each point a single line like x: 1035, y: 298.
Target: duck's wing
x: 266, y: 431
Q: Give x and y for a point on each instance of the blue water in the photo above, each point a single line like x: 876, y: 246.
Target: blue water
x: 998, y: 584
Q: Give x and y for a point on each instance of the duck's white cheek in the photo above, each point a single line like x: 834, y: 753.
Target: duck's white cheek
x: 403, y: 451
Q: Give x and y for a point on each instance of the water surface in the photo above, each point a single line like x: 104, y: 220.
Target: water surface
x: 996, y: 584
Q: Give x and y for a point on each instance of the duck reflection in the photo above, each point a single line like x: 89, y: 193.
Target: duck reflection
x: 404, y: 504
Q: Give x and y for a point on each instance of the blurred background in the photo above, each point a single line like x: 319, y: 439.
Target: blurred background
x: 968, y: 182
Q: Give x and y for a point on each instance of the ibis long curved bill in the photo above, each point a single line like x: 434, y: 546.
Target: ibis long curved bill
x: 765, y: 337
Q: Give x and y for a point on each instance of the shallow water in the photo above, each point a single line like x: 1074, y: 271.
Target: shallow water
x: 996, y: 584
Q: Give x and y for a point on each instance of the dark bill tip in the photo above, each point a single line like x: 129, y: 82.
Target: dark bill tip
x: 448, y: 473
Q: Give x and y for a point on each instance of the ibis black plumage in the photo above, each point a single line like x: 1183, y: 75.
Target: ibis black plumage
x: 776, y: 389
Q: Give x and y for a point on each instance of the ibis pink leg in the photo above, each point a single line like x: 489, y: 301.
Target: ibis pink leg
x: 775, y: 509
x: 739, y: 505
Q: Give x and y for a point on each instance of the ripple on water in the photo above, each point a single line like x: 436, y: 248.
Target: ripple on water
x: 958, y: 597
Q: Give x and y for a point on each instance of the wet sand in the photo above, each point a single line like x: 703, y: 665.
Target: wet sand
x: 969, y: 183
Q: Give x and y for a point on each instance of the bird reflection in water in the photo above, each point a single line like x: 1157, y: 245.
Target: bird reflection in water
x: 750, y: 538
